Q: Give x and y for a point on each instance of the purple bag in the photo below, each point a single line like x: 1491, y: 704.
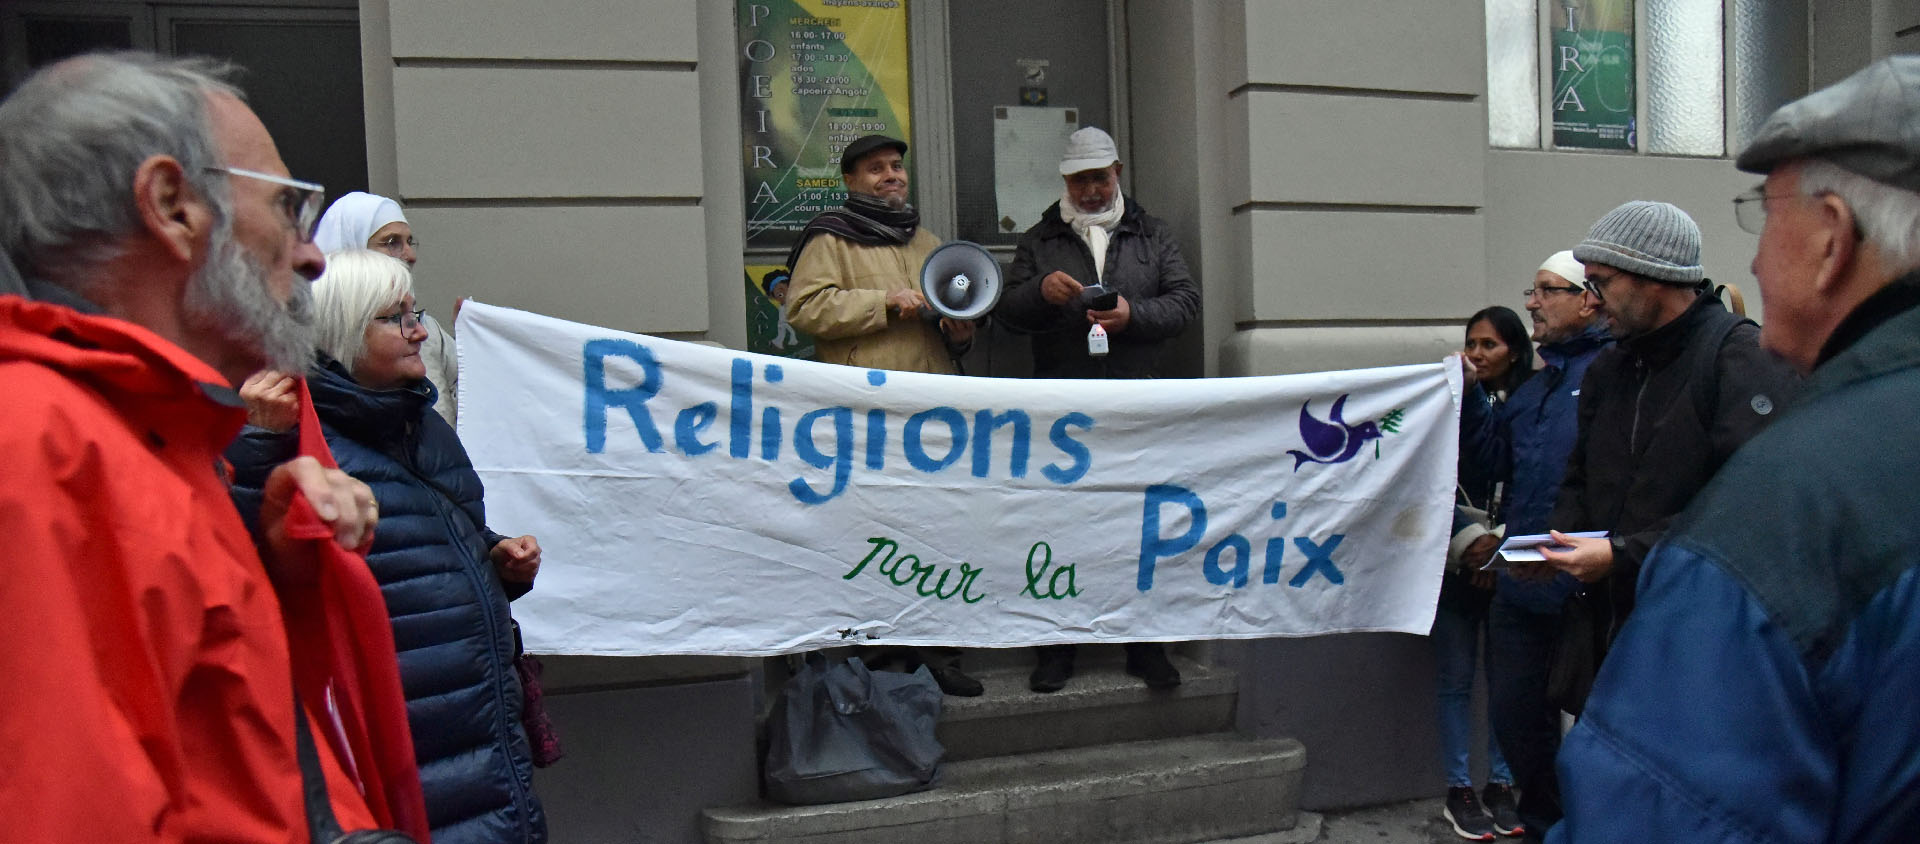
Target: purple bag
x: 542, y: 739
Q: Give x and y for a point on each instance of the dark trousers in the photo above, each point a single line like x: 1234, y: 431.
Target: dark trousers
x: 1520, y: 647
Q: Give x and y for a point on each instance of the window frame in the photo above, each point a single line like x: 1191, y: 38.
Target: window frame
x: 1544, y: 21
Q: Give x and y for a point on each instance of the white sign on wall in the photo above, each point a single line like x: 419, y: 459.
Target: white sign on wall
x: 697, y: 500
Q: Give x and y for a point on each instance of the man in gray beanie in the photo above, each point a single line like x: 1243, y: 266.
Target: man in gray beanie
x: 1766, y: 687
x: 1686, y: 385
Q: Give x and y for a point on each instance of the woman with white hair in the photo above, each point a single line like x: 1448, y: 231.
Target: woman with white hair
x: 362, y: 220
x: 446, y: 578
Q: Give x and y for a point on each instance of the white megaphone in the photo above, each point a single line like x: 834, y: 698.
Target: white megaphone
x: 961, y: 280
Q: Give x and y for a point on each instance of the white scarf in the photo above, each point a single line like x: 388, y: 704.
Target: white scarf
x: 1095, y: 229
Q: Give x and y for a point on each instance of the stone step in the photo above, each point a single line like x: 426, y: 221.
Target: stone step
x: 1170, y: 791
x: 1101, y: 704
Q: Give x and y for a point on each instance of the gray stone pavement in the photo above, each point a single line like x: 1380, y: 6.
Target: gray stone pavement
x: 1412, y: 822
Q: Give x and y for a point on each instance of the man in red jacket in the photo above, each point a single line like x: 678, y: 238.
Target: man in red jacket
x: 149, y: 693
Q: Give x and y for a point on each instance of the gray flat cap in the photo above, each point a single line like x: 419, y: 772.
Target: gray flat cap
x: 1868, y: 123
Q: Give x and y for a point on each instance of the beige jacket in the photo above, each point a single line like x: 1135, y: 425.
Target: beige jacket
x: 839, y: 295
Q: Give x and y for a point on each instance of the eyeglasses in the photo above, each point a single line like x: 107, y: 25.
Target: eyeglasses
x: 1750, y: 208
x: 1544, y: 289
x: 1597, y: 283
x: 302, y: 203
x: 404, y: 320
x: 394, y: 244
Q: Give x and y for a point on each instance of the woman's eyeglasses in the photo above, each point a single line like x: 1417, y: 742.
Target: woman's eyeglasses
x: 404, y: 320
x: 394, y: 244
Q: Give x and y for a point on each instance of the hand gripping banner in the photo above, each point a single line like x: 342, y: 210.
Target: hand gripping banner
x: 695, y: 500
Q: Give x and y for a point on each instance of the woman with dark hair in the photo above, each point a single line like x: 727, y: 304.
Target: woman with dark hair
x: 1499, y: 350
x: 1501, y: 355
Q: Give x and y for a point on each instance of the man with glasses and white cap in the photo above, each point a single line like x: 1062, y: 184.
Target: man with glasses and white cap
x: 1765, y: 688
x: 149, y: 685
x: 1523, y: 444
x: 1095, y: 236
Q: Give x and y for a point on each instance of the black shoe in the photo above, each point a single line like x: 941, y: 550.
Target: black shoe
x: 1464, y: 813
x: 1053, y: 669
x: 1148, y: 661
x: 1500, y: 804
x: 955, y: 682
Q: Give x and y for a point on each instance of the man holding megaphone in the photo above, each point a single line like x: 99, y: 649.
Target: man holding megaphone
x: 1101, y: 286
x: 856, y: 272
x: 856, y: 289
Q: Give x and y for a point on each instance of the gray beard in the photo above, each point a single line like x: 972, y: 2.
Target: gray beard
x: 229, y: 298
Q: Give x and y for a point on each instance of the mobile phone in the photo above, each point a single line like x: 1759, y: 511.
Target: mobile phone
x: 1095, y: 297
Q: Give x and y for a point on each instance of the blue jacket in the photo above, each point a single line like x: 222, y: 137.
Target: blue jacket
x: 451, y: 624
x: 1764, y: 688
x: 1524, y: 443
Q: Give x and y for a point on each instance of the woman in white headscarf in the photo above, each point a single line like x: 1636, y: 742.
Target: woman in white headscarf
x: 361, y: 220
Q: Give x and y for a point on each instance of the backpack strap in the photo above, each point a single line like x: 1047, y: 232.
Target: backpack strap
x: 322, y: 826
x: 1704, y: 381
x: 10, y: 281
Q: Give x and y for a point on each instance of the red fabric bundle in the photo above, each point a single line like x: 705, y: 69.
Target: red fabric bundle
x: 343, y: 658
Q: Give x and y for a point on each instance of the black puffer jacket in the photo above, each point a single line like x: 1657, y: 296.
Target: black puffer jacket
x: 1143, y: 264
x: 1643, y: 451
x: 451, y: 624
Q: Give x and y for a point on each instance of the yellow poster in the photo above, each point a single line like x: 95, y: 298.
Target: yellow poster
x: 814, y: 76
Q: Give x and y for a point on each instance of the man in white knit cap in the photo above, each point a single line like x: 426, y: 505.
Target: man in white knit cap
x: 1523, y: 443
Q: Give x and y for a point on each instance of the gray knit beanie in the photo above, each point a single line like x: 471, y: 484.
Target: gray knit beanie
x: 1653, y: 240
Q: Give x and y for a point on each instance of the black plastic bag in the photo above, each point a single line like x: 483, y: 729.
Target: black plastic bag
x: 1586, y: 635
x: 842, y: 732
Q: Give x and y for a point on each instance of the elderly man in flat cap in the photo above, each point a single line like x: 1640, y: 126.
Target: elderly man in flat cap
x: 1766, y: 687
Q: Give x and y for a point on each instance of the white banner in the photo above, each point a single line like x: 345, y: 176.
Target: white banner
x: 697, y: 500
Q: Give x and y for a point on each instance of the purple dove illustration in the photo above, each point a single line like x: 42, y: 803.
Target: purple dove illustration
x: 1334, y: 441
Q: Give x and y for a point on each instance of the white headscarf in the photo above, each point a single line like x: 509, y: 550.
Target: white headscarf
x: 352, y: 219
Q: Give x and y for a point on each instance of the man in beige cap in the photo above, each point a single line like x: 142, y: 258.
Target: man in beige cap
x: 1765, y: 687
x: 1095, y: 236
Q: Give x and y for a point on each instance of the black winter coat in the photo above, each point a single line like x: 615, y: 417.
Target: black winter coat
x: 451, y: 625
x: 1643, y: 452
x: 1143, y: 264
